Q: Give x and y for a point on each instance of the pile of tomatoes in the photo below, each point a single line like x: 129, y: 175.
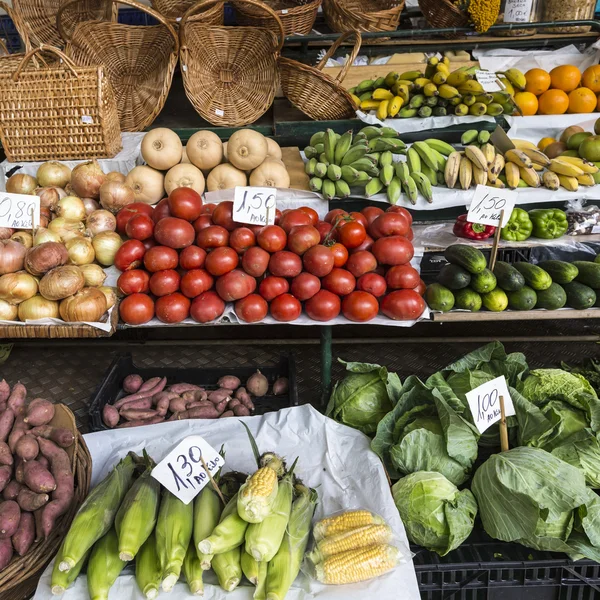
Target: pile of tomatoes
x: 185, y: 259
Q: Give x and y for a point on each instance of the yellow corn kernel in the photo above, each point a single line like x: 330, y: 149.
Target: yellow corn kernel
x: 352, y: 519
x: 257, y: 496
x: 261, y: 483
x: 369, y: 535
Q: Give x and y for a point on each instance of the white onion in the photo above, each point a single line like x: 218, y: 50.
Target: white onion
x: 53, y: 174
x: 116, y: 176
x: 81, y: 251
x: 8, y: 312
x: 111, y: 295
x: 66, y: 228
x: 49, y: 196
x: 70, y: 207
x: 45, y: 235
x: 106, y: 245
x: 86, y: 179
x: 94, y: 275
x: 21, y: 184
x: 17, y: 287
x: 38, y: 307
x: 12, y: 256
x: 90, y: 205
x: 115, y: 195
x: 99, y: 221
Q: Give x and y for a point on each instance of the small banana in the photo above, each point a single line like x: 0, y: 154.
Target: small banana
x: 394, y: 190
x: 342, y: 146
x: 423, y: 185
x: 497, y: 183
x: 355, y: 153
x: 530, y: 176
x: 382, y: 110
x: 426, y: 154
x: 429, y: 173
x: 391, y: 78
x: 369, y: 105
x: 363, y: 178
x: 317, y: 138
x: 330, y: 143
x: 370, y: 132
x: 441, y: 146
x: 315, y: 184
x: 447, y: 91
x: 386, y: 174
x: 484, y: 98
x: 516, y: 78
x: 458, y: 78
x: 471, y: 86
x: 382, y: 94
x: 320, y: 170
x: 439, y: 78
x: 452, y: 168
x: 498, y: 164
x: 342, y: 189
x: 430, y: 89
x: 550, y: 180
x: 569, y: 183
x: 512, y: 174
x: 425, y: 111
x: 584, y: 165
x: 483, y: 137
x: 538, y: 168
x: 349, y: 174
x: 413, y: 159
x: 395, y: 106
x: 465, y: 173
x: 440, y: 158
x: 407, y: 112
x: 373, y: 187
x: 410, y: 75
x: 523, y: 144
x: 309, y: 167
x: 386, y: 158
x: 565, y: 168
x: 389, y: 132
x: 478, y: 109
x: 402, y: 173
x: 537, y: 157
x: 328, y: 189
x: 411, y: 190
x: 421, y: 82
x: 310, y: 152
x: 476, y: 156
x: 461, y: 110
x: 489, y: 152
x: 586, y: 179
x: 334, y: 172
x: 480, y: 176
x: 417, y: 101
x: 519, y: 158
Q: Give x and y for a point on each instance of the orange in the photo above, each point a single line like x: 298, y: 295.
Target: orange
x: 598, y: 105
x: 545, y: 142
x: 591, y: 78
x: 582, y: 100
x: 553, y: 102
x: 565, y: 78
x: 527, y: 102
x: 538, y: 81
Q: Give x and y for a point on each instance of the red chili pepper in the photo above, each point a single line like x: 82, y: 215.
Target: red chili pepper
x: 472, y: 231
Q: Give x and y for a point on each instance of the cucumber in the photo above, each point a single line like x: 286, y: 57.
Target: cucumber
x: 597, y: 259
x: 535, y: 276
x: 589, y: 273
x: 483, y: 282
x: 579, y: 296
x: 454, y: 277
x: 467, y: 299
x: 553, y: 298
x: 496, y: 300
x: 467, y: 257
x: 523, y: 299
x: 439, y: 297
x: 560, y: 271
x: 507, y: 277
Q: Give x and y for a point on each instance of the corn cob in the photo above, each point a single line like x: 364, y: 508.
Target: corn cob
x: 249, y: 567
x: 104, y: 566
x: 346, y: 521
x: 61, y: 580
x: 193, y: 572
x: 261, y: 584
x: 207, y: 510
x: 228, y: 534
x: 227, y: 568
x: 173, y: 535
x: 147, y: 569
x: 369, y: 535
x: 97, y: 514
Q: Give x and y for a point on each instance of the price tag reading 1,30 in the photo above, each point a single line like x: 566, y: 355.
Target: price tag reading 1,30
x: 488, y: 203
x: 484, y: 402
x: 182, y: 472
x: 19, y: 211
x: 488, y: 81
x: 254, y: 205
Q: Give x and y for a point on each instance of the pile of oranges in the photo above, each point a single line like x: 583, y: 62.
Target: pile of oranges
x: 563, y: 90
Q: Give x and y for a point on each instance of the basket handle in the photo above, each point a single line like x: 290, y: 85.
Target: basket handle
x: 20, y: 26
x: 344, y: 71
x: 45, y: 48
x: 204, y: 4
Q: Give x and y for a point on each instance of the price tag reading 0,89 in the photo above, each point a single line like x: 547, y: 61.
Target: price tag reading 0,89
x: 254, y: 205
x: 488, y: 204
x: 19, y: 211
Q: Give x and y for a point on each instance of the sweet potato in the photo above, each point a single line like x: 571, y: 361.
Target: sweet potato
x: 59, y: 435
x: 37, y: 515
x: 180, y: 388
x: 144, y: 403
x: 281, y: 386
x: 222, y: 405
x: 162, y: 395
x: 31, y: 501
x: 7, y: 419
x: 257, y: 384
x: 149, y: 384
x: 20, y: 470
x: 245, y: 398
x: 229, y: 382
x: 4, y: 391
x: 5, y: 475
x: 218, y: 395
x: 37, y: 478
x: 176, y: 416
x: 241, y: 411
x: 194, y: 396
x: 43, y: 461
x: 20, y: 428
x: 27, y: 447
x: 203, y: 412
x: 177, y: 405
x: 132, y: 383
x: 137, y: 414
x: 23, y: 538
x: 162, y: 406
x: 16, y: 401
x: 39, y: 412
x: 233, y: 403
x: 11, y: 491
x: 110, y: 416
x: 226, y: 414
x: 206, y: 403
x: 6, y: 553
x: 140, y: 423
x: 6, y: 457
x: 10, y: 515
x: 143, y: 393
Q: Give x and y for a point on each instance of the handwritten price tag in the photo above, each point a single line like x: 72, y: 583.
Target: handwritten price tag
x: 517, y: 11
x: 19, y: 211
x: 254, y: 205
x: 182, y: 472
x: 488, y: 81
x: 488, y: 204
x: 484, y: 402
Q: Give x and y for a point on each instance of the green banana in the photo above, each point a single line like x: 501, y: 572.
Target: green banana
x: 363, y: 164
x: 320, y: 169
x: 423, y: 185
x: 320, y: 148
x: 310, y: 152
x: 425, y: 111
x: 411, y: 190
x: 431, y: 101
x: 416, y: 101
x: 429, y: 173
x: 386, y: 174
x: 373, y: 187
x: 444, y: 102
x: 342, y: 147
x: 483, y: 137
x: 383, y: 144
x: 334, y: 172
x: 342, y: 189
x: 413, y: 160
x: 328, y: 189
x: 440, y: 158
x: 363, y: 178
x: 379, y: 83
x: 349, y: 174
x: 364, y: 86
x: 468, y: 137
x: 355, y: 153
x: 317, y: 138
x: 373, y: 157
x: 440, y: 146
x: 323, y: 158
x: 389, y: 132
x: 309, y: 168
x: 439, y: 111
x: 402, y: 173
x: 371, y: 131
x: 386, y: 158
x: 394, y: 190
x: 365, y: 96
x: 359, y: 137
x: 315, y: 184
x: 407, y: 112
x: 330, y: 143
x: 426, y: 154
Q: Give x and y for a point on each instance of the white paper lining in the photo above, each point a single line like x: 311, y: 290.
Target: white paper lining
x: 106, y: 326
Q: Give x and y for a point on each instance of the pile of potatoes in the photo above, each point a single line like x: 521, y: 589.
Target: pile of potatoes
x: 36, y: 479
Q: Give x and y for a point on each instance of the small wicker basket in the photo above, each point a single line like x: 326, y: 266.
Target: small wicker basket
x: 443, y: 14
x: 173, y: 10
x: 297, y: 16
x: 229, y: 73
x: 362, y: 15
x: 317, y: 95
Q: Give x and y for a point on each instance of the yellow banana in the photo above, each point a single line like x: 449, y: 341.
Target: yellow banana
x: 355, y: 99
x: 421, y: 82
x: 537, y: 167
x: 410, y: 75
x: 430, y: 89
x: 530, y: 176
x: 447, y: 91
x: 452, y: 169
x: 480, y: 176
x: 522, y: 144
x: 458, y: 78
x: 550, y: 180
x: 489, y: 152
x: 485, y: 98
x: 584, y: 165
x: 472, y: 86
x: 395, y: 106
x: 443, y: 67
x: 465, y: 173
x: 461, y: 110
x: 537, y: 157
x: 511, y: 171
x: 497, y: 183
x: 498, y: 164
x: 382, y: 110
x: 382, y: 94
x: 369, y: 104
x: 476, y: 156
x: 586, y: 179
x: 519, y: 158
x: 508, y: 86
x: 439, y: 78
x: 516, y: 78
x: 569, y: 183
x: 565, y: 168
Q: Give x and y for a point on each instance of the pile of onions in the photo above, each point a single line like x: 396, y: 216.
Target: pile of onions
x: 21, y: 184
x: 86, y: 179
x: 45, y: 235
x: 114, y: 195
x: 94, y: 275
x: 53, y: 174
x: 8, y: 312
x: 66, y: 228
x: 49, y: 255
x: 61, y: 282
x: 12, y: 256
x: 17, y: 287
x: 23, y: 237
x: 115, y: 176
x: 90, y: 205
x: 87, y: 305
x: 71, y: 208
x: 111, y: 295
x: 38, y: 307
x: 49, y: 196
x: 99, y: 221
x: 81, y: 251
x: 5, y: 233
x: 106, y: 245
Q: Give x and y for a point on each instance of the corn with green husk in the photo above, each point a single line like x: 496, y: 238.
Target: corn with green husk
x: 207, y: 510
x: 148, y: 573
x: 285, y: 565
x: 228, y: 569
x: 228, y: 534
x: 173, y: 534
x: 61, y: 580
x: 136, y: 517
x: 192, y: 571
x: 260, y: 593
x: 249, y: 567
x: 104, y: 566
x: 97, y: 514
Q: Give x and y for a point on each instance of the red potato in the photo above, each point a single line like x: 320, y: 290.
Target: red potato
x: 180, y: 388
x: 7, y: 419
x: 39, y: 412
x: 132, y: 383
x: 137, y: 414
x: 229, y: 382
x: 11, y: 491
x: 6, y: 457
x: 37, y: 478
x: 10, y: 515
x: 24, y: 537
x: 16, y: 401
x: 59, y: 435
x: 4, y: 391
x: 27, y: 447
x: 30, y: 501
x: 141, y: 423
x: 5, y: 475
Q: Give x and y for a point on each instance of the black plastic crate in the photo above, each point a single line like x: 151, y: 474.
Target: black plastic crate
x: 110, y: 389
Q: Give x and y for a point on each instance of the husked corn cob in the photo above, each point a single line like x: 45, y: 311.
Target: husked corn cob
x: 357, y: 565
x: 207, y: 510
x: 228, y: 534
x: 351, y: 519
x: 193, y: 572
x: 148, y: 574
x: 61, y: 580
x: 249, y: 567
x: 261, y: 585
x: 97, y: 514
x: 228, y: 569
x: 104, y: 566
x: 369, y: 535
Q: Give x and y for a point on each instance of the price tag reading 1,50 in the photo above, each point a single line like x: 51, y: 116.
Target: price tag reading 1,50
x: 254, y: 205
x: 484, y: 402
x: 488, y: 204
x: 182, y: 471
x: 19, y: 211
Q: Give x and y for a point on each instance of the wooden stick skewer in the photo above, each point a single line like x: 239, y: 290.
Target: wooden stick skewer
x: 494, y: 254
x: 503, y: 428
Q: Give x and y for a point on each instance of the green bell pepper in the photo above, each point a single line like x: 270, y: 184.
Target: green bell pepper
x: 518, y: 228
x: 548, y: 223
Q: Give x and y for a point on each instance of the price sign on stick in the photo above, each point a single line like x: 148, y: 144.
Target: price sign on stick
x: 254, y: 205
x: 19, y: 211
x: 184, y: 470
x: 488, y: 203
x: 489, y: 81
x: 484, y: 402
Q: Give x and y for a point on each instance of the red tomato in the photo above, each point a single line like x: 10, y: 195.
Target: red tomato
x: 235, y: 285
x: 420, y: 288
x: 255, y: 228
x: 207, y: 307
x: 360, y: 263
x: 373, y: 283
x: 334, y: 214
x: 202, y: 222
x: 221, y: 261
x: 305, y: 286
x: 324, y: 229
x: 129, y: 255
x: 318, y: 260
x: 393, y: 250
x: 164, y: 282
x: 174, y: 232
x: 402, y: 277
x: 371, y: 213
x: 357, y: 216
x: 173, y: 308
x: 410, y: 235
x: 192, y: 257
x: 339, y: 281
x: 294, y: 218
x: 223, y: 215
x: 403, y: 305
x: 301, y: 238
x: 389, y: 224
x: 360, y: 306
x: 285, y: 308
x: 185, y: 203
x: 133, y: 282
x: 323, y: 306
x: 213, y: 236
x: 161, y: 210
x: 140, y: 227
x: 366, y: 245
x: 136, y: 309
x: 340, y: 254
x: 401, y: 210
x: 196, y: 282
x: 312, y: 213
x: 352, y: 234
x: 252, y: 308
x: 160, y: 258
x: 271, y: 287
x: 207, y: 209
x: 135, y: 208
x: 285, y: 264
x: 149, y: 243
x: 277, y: 216
x: 241, y: 239
x: 255, y: 261
x: 272, y: 238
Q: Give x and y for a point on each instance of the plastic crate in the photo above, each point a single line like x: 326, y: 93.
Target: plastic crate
x: 9, y: 34
x: 133, y: 16
x: 110, y: 389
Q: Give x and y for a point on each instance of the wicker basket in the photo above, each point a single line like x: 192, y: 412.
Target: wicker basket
x: 229, y: 73
x: 297, y: 16
x: 317, y: 95
x: 362, y: 15
x: 20, y: 578
x: 173, y: 10
x: 11, y: 61
x: 139, y: 61
x: 442, y: 14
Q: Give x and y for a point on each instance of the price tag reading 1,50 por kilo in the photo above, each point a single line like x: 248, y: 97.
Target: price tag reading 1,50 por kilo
x: 181, y: 471
x: 254, y: 205
x: 19, y: 211
x: 484, y: 402
x: 488, y: 203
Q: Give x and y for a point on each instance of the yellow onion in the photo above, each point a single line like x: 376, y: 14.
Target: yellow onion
x: 106, y: 245
x: 38, y: 307
x: 12, y: 256
x: 48, y: 255
x: 114, y: 195
x: 53, y: 174
x: 5, y: 233
x: 86, y: 179
x: 23, y: 237
x: 62, y: 282
x: 87, y: 305
x: 44, y: 235
x: 71, y: 208
x: 45, y: 216
x: 94, y: 275
x: 49, y: 196
x: 81, y: 251
x: 99, y: 221
x: 17, y: 287
x: 111, y: 295
x: 8, y: 312
x: 66, y: 228
x: 116, y: 176
x: 90, y: 205
x: 21, y: 184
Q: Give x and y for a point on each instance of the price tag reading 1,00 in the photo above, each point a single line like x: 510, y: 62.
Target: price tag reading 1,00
x: 254, y: 205
x: 484, y: 402
x: 19, y: 211
x: 488, y: 204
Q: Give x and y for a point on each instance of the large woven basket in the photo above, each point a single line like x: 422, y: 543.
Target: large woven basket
x: 362, y: 15
x: 229, y: 73
x: 317, y: 95
x: 443, y: 14
x: 57, y: 112
x: 11, y: 61
x: 173, y: 10
x: 19, y: 580
x: 297, y: 16
x: 139, y: 61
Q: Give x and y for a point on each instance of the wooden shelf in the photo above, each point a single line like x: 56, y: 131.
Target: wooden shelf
x: 515, y: 315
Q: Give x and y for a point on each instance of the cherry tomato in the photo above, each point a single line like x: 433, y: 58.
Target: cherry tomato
x: 360, y: 306
x: 196, y: 282
x: 202, y: 222
x: 340, y: 254
x: 272, y: 238
x: 136, y: 309
x: 305, y: 286
x: 323, y: 306
x: 164, y: 282
x: 403, y: 305
x: 301, y: 238
x: 133, y: 282
x: 360, y: 263
x: 401, y: 210
x: 339, y: 281
x: 160, y: 258
x: 172, y: 308
x: 389, y: 224
x: 402, y: 277
x: 241, y: 239
x: 174, y: 232
x: 360, y: 218
x: 221, y: 261
x: 294, y: 218
x: 207, y: 307
x: 161, y: 210
x: 318, y: 260
x: 334, y: 214
x: 140, y: 227
x: 393, y: 250
x: 285, y: 308
x: 271, y: 287
x: 352, y: 234
x: 235, y: 285
x: 192, y: 257
x: 129, y: 255
x: 373, y: 283
x: 252, y: 309
x: 185, y: 203
x: 285, y: 264
x: 255, y: 261
x: 312, y: 213
x: 223, y: 215
x: 371, y: 213
x: 213, y: 236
